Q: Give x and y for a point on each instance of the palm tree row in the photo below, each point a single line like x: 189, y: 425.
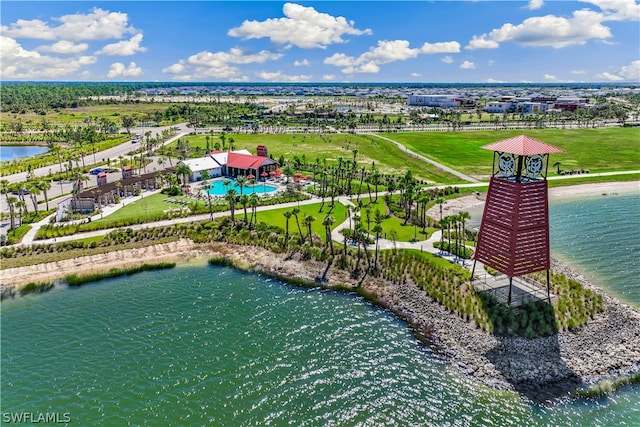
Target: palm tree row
x: 455, y: 226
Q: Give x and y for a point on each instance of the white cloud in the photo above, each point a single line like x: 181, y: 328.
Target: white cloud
x: 97, y: 25
x: 578, y: 72
x: 370, y: 61
x: 550, y: 77
x: 467, y: 65
x: 549, y: 30
x: 444, y: 47
x: 176, y: 68
x: 494, y: 81
x: 233, y: 56
x: 610, y: 77
x: 281, y: 77
x: 302, y: 26
x: 124, y: 47
x: 329, y: 77
x: 447, y: 59
x: 68, y: 35
x: 118, y: 69
x: 416, y: 75
x: 535, y: 4
x: 618, y: 10
x: 219, y: 65
x: 482, y: 42
x: 629, y: 73
x: 303, y: 63
x: 22, y: 64
x: 64, y: 47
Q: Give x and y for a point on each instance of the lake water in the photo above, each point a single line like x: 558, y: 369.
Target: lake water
x: 202, y: 345
x: 11, y: 152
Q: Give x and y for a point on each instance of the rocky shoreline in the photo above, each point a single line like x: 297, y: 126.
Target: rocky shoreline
x: 540, y: 369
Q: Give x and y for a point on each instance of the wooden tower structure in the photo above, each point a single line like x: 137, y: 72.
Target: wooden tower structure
x: 514, y: 232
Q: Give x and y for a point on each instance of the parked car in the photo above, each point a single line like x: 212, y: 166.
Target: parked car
x: 96, y: 171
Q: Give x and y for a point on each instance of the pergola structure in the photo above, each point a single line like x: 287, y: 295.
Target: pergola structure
x: 514, y: 232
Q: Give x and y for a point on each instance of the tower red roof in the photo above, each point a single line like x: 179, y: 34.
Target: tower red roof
x: 522, y: 145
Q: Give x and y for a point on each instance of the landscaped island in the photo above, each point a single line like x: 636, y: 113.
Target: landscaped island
x: 607, y: 347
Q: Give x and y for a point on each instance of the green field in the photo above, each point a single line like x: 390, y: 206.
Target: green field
x: 387, y: 157
x: 76, y: 116
x: 275, y: 217
x: 596, y: 150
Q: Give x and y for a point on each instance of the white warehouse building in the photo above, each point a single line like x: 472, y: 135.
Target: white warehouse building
x: 441, y: 101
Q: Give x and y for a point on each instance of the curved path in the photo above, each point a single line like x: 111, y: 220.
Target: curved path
x: 427, y: 160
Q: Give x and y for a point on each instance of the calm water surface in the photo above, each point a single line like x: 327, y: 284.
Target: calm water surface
x: 600, y: 237
x: 10, y: 152
x: 201, y: 345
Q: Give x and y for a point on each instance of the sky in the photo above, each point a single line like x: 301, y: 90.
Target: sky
x: 448, y: 41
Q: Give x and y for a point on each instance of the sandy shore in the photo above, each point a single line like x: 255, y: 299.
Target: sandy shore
x: 608, y: 346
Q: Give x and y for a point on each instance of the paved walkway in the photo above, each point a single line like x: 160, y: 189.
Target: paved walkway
x: 427, y: 160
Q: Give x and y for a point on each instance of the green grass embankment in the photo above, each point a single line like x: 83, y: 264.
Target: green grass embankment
x: 81, y: 279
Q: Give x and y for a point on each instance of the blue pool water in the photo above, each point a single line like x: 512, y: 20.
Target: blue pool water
x: 219, y: 189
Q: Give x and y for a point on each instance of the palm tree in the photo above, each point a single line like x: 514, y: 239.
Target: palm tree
x: 183, y: 171
x: 4, y: 188
x: 34, y: 192
x: 241, y: 181
x: 308, y: 220
x: 22, y: 209
x: 295, y: 212
x: 12, y: 201
x: 244, y: 200
x: 287, y: 215
x: 231, y: 197
x: 254, y: 201
x: 377, y: 229
x: 440, y: 201
x: 394, y: 239
x: 463, y: 216
x: 449, y: 220
x: 327, y: 222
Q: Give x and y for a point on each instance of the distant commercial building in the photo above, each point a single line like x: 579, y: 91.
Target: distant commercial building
x: 439, y: 101
x: 533, y: 107
x: 498, y: 107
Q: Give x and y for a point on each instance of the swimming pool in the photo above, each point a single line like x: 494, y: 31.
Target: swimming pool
x: 219, y: 189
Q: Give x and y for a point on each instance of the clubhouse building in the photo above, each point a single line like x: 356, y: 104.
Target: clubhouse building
x: 232, y: 164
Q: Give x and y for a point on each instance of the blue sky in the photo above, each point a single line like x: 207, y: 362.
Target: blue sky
x: 541, y: 41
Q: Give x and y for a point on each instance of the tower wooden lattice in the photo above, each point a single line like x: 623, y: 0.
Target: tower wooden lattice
x: 514, y: 232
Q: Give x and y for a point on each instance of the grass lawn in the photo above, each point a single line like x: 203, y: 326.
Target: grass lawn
x: 388, y: 159
x: 404, y: 233
x: 276, y: 217
x: 591, y: 149
x: 149, y: 206
x: 76, y: 116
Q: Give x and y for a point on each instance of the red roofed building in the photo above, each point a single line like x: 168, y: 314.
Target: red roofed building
x: 248, y: 164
